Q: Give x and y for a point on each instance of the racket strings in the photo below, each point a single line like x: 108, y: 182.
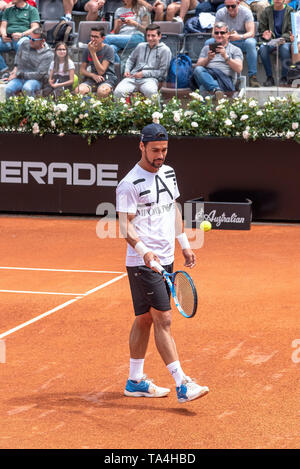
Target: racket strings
x: 186, y: 293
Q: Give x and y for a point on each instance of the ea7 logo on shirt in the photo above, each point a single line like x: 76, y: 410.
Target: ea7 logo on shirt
x: 160, y: 187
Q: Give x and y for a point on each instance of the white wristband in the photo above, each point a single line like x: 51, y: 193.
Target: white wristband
x: 141, y: 249
x: 183, y: 241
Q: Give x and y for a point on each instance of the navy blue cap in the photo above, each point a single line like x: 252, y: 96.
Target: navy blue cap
x: 154, y: 133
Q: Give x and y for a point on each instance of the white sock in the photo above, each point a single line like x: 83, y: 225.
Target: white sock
x: 176, y: 371
x: 136, y: 371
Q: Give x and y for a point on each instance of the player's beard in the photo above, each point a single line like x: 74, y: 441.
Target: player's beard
x: 156, y: 163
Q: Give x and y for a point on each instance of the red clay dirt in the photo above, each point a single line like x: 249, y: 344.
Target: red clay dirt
x: 63, y: 380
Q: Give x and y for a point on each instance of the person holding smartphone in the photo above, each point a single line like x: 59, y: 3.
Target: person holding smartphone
x: 219, y: 63
x: 130, y: 25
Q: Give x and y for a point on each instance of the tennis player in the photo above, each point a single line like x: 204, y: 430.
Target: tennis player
x: 150, y: 220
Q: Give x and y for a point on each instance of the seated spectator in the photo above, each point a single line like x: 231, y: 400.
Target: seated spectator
x: 275, y: 23
x: 181, y: 7
x: 219, y: 63
x: 32, y: 63
x: 155, y: 7
x: 18, y: 22
x: 256, y: 6
x: 8, y: 3
x: 241, y: 25
x: 62, y: 70
x: 129, y: 27
x: 146, y: 67
x: 97, y: 66
x: 91, y: 7
x: 207, y: 6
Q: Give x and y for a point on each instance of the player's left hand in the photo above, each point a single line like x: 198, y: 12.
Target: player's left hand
x: 190, y: 258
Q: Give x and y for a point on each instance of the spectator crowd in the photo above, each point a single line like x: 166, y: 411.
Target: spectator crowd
x: 241, y: 30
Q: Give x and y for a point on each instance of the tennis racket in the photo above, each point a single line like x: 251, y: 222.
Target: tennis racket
x: 182, y: 289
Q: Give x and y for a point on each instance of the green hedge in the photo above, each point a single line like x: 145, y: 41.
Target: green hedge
x: 90, y: 117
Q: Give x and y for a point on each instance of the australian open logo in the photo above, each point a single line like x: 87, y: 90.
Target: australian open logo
x: 218, y: 220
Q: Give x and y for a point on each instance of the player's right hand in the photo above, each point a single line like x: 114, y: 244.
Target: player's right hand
x: 151, y: 256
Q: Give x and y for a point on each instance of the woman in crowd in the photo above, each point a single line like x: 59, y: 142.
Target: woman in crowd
x: 130, y: 25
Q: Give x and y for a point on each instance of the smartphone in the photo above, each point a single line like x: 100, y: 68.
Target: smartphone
x: 9, y: 35
x: 122, y: 19
x: 213, y: 46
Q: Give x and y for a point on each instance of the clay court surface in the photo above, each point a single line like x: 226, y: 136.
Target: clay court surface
x: 64, y: 374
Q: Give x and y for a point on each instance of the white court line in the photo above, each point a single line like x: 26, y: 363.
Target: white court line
x: 62, y: 270
x: 64, y: 305
x: 41, y: 292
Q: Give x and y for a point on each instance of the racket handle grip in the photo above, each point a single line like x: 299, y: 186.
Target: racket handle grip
x: 156, y: 266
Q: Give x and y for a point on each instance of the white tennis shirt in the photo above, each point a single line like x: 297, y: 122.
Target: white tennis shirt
x: 151, y: 197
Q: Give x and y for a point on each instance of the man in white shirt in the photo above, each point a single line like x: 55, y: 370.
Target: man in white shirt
x: 150, y: 220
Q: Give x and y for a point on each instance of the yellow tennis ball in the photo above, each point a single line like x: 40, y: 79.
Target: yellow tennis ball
x: 205, y: 225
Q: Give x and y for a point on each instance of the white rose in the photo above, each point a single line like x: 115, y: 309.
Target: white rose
x: 244, y: 117
x: 194, y: 124
x: 176, y: 116
x: 295, y: 125
x: 156, y: 116
x: 259, y: 113
x: 197, y: 96
x: 228, y: 122
x: 62, y: 107
x: 289, y: 134
x: 246, y: 134
x: 233, y: 115
x: 252, y: 103
x: 35, y: 128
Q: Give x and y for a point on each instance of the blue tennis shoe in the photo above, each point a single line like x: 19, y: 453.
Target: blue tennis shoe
x: 190, y: 390
x: 144, y: 388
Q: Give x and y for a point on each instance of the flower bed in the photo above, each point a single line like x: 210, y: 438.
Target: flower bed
x: 90, y: 117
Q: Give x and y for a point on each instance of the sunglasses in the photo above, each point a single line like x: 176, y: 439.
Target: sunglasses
x: 220, y: 32
x: 34, y: 40
x: 231, y: 6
